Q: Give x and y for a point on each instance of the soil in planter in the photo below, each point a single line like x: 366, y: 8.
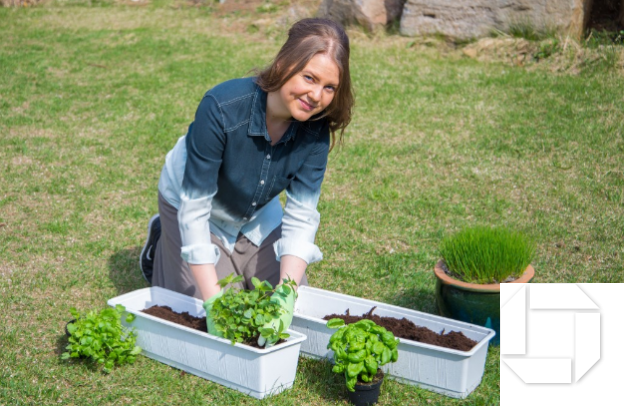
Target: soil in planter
x: 404, y: 328
x: 185, y: 319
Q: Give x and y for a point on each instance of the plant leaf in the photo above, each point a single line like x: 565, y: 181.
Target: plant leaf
x: 353, y: 369
x: 259, y: 319
x: 267, y: 332
x: 351, y: 381
x: 386, y: 356
x: 335, y: 323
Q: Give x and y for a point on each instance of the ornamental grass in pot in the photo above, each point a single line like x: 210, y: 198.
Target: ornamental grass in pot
x: 475, y: 261
x: 360, y: 349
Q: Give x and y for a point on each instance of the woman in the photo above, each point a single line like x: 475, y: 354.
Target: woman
x: 252, y: 138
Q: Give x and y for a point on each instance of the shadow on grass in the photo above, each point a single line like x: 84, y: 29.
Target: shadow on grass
x: 316, y: 377
x: 124, y: 270
x: 61, y: 343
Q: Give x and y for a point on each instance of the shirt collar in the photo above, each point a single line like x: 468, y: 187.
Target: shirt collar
x: 257, y: 118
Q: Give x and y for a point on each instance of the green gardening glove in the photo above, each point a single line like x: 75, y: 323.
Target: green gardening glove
x: 208, y: 307
x: 284, y: 296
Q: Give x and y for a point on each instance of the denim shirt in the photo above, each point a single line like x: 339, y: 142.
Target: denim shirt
x: 224, y: 176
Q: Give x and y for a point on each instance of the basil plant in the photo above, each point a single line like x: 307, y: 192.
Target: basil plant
x: 360, y: 349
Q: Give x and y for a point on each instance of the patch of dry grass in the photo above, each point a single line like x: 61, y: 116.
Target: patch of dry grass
x: 556, y: 55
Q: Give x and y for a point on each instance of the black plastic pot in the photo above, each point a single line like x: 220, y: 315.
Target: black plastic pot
x: 68, y: 323
x: 366, y: 394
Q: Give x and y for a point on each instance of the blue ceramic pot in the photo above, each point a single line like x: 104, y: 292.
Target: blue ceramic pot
x: 471, y: 302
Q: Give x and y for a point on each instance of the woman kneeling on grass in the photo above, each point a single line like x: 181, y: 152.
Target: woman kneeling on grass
x: 252, y: 138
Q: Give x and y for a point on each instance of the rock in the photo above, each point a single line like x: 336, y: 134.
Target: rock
x: 295, y: 13
x: 470, y: 52
x: 468, y: 19
x: 456, y: 19
x: 370, y: 14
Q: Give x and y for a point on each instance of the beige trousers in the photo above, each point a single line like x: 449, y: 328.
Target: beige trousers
x: 247, y: 259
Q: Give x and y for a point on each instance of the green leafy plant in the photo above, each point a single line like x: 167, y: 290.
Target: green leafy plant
x: 101, y: 337
x: 546, y: 49
x: 360, y: 349
x: 240, y: 314
x: 487, y: 255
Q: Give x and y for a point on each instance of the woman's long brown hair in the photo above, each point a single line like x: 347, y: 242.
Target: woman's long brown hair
x: 307, y: 38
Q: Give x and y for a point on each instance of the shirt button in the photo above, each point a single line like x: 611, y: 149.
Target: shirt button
x: 268, y: 156
x: 262, y: 182
x: 253, y: 204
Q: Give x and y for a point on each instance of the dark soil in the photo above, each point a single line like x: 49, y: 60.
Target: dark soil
x: 185, y: 319
x: 404, y: 328
x: 378, y: 377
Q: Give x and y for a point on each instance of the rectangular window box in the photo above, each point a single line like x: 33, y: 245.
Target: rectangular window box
x: 255, y: 372
x: 449, y: 372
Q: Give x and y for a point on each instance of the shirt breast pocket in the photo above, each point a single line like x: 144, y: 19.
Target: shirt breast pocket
x: 277, y: 185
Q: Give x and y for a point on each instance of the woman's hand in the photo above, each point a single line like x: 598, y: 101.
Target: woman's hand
x: 291, y: 267
x: 206, y: 277
x: 208, y: 304
x: 284, y: 296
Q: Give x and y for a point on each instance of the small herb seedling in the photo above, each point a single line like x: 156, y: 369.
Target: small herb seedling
x: 360, y: 348
x: 240, y: 314
x: 101, y: 337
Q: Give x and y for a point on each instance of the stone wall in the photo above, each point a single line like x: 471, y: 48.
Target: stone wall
x: 465, y: 19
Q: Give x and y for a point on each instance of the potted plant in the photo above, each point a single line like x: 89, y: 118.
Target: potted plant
x: 241, y: 314
x: 475, y: 261
x: 360, y: 349
x: 456, y: 373
x: 101, y: 337
x: 257, y: 372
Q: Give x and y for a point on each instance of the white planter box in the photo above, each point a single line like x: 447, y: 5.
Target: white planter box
x: 253, y: 371
x: 450, y: 372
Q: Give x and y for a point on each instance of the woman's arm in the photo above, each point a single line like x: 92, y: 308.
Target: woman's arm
x: 207, y: 280
x: 292, y: 267
x: 204, y: 145
x: 296, y: 249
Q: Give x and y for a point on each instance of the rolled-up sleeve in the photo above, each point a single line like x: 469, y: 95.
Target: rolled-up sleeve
x: 205, y: 143
x: 301, y: 218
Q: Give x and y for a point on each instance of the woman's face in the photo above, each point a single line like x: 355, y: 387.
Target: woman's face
x: 309, y: 91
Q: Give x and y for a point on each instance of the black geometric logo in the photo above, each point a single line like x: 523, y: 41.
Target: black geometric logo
x: 553, y: 336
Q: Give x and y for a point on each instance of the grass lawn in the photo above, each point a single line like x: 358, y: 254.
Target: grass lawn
x: 93, y: 95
